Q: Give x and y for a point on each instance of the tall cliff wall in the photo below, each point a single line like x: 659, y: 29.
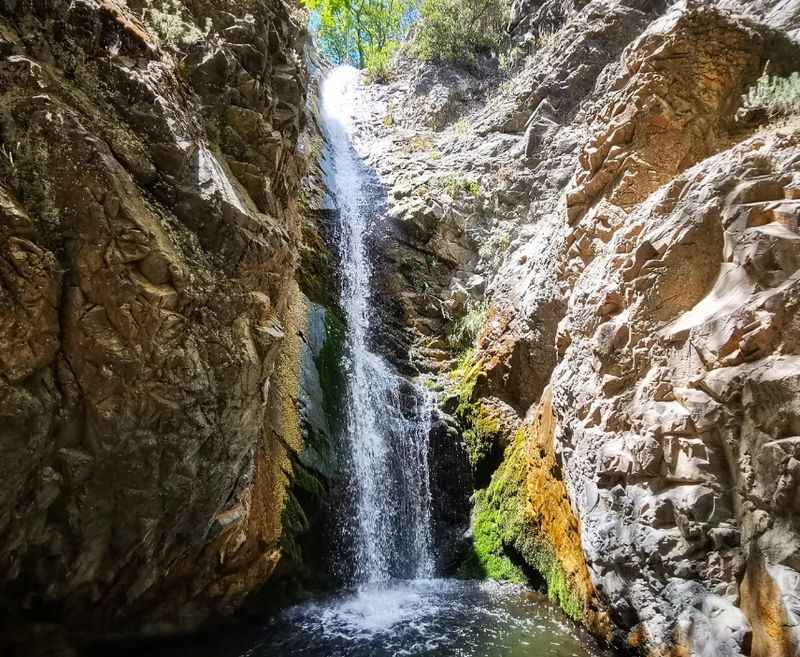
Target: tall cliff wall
x: 630, y: 250
x: 150, y: 358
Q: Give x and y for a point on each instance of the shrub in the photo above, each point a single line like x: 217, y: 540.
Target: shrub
x: 454, y: 30
x: 379, y: 61
x: 775, y: 95
x: 169, y: 23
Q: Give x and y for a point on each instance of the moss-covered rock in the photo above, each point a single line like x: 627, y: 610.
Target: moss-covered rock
x: 481, y: 437
x: 524, y: 529
x: 319, y: 341
x: 329, y: 365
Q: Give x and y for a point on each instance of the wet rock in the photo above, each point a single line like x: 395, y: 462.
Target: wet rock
x: 149, y: 235
x: 451, y: 487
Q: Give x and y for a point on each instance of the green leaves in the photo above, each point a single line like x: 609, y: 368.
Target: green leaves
x: 455, y: 30
x: 379, y: 61
x: 358, y: 31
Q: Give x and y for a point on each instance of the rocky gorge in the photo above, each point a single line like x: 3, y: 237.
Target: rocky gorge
x: 589, y: 260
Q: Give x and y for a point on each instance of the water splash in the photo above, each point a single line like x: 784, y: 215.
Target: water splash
x: 427, y: 618
x: 388, y: 421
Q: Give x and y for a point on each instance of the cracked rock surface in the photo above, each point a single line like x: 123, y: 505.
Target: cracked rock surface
x: 637, y: 248
x: 149, y: 227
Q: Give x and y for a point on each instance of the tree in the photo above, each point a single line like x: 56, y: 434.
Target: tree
x: 355, y: 31
x: 455, y: 30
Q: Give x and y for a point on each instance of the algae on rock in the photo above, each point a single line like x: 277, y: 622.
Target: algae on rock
x: 523, y: 526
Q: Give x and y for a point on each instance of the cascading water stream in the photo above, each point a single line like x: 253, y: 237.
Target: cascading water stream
x: 396, y: 607
x: 387, y: 420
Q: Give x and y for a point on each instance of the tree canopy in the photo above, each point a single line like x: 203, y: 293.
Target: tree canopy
x: 455, y: 30
x: 356, y: 31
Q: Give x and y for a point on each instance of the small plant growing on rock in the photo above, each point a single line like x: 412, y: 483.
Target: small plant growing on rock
x: 774, y: 95
x: 546, y: 38
x: 8, y: 157
x: 466, y: 329
x: 168, y: 21
x: 506, y: 238
x: 420, y: 143
x: 455, y: 186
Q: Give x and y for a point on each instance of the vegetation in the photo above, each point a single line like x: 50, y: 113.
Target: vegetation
x: 488, y: 558
x: 776, y: 95
x: 170, y: 23
x: 483, y: 438
x: 497, y: 521
x: 363, y: 33
x: 330, y: 368
x: 483, y: 433
x: 379, y: 62
x: 465, y: 376
x: 420, y: 142
x: 466, y: 329
x: 455, y: 30
x: 506, y: 544
x: 366, y: 33
x: 454, y: 186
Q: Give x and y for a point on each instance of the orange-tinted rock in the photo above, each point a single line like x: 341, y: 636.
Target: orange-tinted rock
x: 149, y: 237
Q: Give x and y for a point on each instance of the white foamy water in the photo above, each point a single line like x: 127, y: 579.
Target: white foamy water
x: 430, y: 618
x: 409, y: 618
x: 387, y: 422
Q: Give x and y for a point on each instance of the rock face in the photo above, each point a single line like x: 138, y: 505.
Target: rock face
x: 149, y: 234
x: 662, y: 396
x: 634, y: 247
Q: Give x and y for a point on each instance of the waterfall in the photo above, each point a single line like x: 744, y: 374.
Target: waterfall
x: 388, y: 420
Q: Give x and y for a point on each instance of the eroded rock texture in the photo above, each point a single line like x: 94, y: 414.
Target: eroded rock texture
x: 148, y: 242
x: 636, y: 246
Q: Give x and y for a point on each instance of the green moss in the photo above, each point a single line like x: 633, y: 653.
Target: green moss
x: 505, y: 545
x: 331, y: 370
x: 488, y: 558
x: 538, y: 554
x: 496, y: 519
x: 483, y: 433
x: 316, y: 465
x: 317, y: 268
x: 465, y: 376
x: 307, y: 483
